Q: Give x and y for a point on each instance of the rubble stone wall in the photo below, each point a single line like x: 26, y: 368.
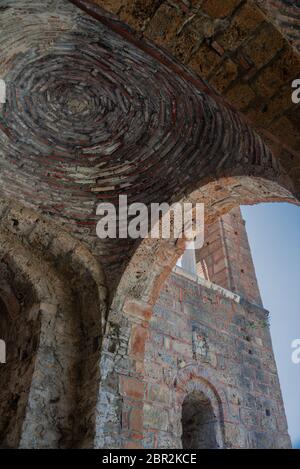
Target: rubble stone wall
x: 198, y: 337
x: 53, y: 305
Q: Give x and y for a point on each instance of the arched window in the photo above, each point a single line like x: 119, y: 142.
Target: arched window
x: 198, y: 422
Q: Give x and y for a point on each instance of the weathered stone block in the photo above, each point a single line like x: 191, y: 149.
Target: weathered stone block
x: 204, y: 61
x: 224, y: 75
x: 219, y: 9
x: 246, y: 20
x: 155, y: 417
x: 137, y: 309
x: 137, y: 341
x: 136, y: 419
x: 240, y: 95
x: 265, y: 45
x: 157, y: 393
x: 164, y: 25
x: 131, y: 387
x: 279, y: 72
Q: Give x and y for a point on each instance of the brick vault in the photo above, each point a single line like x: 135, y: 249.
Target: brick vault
x: 108, y: 345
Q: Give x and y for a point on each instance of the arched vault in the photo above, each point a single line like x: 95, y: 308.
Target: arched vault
x: 95, y: 110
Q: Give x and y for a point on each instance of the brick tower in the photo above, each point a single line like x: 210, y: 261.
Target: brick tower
x: 226, y: 257
x: 203, y: 373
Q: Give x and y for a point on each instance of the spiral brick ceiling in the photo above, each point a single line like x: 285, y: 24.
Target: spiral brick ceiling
x: 89, y: 116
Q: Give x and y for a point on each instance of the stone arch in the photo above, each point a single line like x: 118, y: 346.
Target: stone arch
x: 174, y: 28
x: 69, y: 304
x: 193, y: 135
x: 218, y: 143
x: 193, y: 387
x: 154, y: 258
x: 144, y: 276
x: 198, y: 422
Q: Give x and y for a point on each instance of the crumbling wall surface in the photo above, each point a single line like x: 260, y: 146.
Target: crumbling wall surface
x: 196, y: 341
x: 199, y: 336
x: 53, y: 305
x: 155, y: 103
x: 177, y: 338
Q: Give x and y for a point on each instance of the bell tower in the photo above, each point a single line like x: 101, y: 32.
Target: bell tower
x: 225, y: 258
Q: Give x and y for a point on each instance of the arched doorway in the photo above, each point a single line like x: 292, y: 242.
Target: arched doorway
x: 20, y: 334
x: 51, y: 319
x: 198, y: 422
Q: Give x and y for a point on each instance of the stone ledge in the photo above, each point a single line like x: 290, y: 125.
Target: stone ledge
x: 250, y: 306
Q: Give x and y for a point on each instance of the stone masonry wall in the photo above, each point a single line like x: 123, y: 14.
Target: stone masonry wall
x: 199, y: 342
x: 235, y: 366
x: 153, y: 130
x: 238, y: 49
x: 198, y: 339
x: 52, y: 314
x: 286, y: 15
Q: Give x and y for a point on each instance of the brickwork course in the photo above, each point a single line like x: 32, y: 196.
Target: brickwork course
x: 162, y: 101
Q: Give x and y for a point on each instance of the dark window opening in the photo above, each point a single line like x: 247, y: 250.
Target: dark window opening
x: 198, y: 423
